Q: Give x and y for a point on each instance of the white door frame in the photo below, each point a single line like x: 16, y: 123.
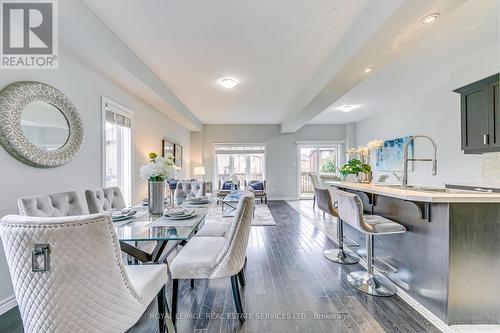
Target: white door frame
x: 317, y: 144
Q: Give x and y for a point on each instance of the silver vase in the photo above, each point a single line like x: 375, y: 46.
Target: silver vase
x: 156, y: 190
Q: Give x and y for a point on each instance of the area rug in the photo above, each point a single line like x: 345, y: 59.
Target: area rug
x: 262, y: 217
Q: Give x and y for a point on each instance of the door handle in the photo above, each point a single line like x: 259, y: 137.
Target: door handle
x: 486, y: 139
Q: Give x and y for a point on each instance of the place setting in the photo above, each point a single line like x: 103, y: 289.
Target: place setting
x: 125, y: 215
x: 176, y: 217
x: 201, y: 201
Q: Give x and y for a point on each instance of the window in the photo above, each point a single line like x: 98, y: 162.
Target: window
x: 245, y: 161
x: 117, y: 147
x: 321, y: 158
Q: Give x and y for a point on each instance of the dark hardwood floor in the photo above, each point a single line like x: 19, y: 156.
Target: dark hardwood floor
x: 290, y: 287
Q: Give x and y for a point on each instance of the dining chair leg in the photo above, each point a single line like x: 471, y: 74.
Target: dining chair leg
x: 314, y: 201
x: 237, y: 298
x: 241, y: 278
x: 192, y: 283
x: 161, y: 310
x: 175, y: 289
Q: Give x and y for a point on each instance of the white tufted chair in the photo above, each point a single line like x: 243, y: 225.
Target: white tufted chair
x: 52, y: 205
x: 104, y: 199
x: 86, y: 287
x: 214, y: 257
x: 188, y: 188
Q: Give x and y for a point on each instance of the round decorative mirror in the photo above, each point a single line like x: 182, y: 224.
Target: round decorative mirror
x: 44, y: 125
x: 39, y: 125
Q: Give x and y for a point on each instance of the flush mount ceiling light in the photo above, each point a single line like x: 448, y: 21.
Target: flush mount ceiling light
x: 228, y: 83
x: 347, y: 108
x: 368, y: 69
x: 430, y: 18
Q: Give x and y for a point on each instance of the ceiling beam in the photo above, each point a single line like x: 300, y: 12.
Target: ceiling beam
x: 323, y: 90
x: 385, y: 30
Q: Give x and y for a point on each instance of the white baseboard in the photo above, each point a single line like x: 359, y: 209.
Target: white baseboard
x: 7, y: 304
x: 283, y: 198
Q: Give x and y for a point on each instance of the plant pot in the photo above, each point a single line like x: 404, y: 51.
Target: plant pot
x: 156, y: 192
x: 351, y: 178
x: 365, y: 177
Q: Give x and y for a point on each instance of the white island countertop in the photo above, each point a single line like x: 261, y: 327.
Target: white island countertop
x: 394, y: 191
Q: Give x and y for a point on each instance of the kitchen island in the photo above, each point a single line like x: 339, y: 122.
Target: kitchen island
x: 449, y: 258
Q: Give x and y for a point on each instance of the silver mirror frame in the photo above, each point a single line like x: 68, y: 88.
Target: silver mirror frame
x: 13, y: 100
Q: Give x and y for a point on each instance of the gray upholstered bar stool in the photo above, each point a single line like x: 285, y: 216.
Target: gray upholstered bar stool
x: 350, y: 209
x: 325, y: 203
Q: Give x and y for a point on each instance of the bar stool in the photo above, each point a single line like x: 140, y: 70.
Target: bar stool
x: 350, y: 209
x: 325, y: 203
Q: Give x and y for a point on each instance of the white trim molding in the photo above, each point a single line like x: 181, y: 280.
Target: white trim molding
x: 7, y: 304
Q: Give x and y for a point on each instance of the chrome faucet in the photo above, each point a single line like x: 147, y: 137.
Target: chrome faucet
x: 404, y: 180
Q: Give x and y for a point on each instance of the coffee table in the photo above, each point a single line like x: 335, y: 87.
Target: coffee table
x: 230, y: 203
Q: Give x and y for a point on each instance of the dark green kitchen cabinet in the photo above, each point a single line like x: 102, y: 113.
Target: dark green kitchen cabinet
x: 480, y: 116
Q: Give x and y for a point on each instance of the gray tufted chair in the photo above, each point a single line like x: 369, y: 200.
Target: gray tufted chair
x: 52, y: 205
x: 217, y: 257
x: 104, y: 199
x: 85, y: 287
x: 317, y: 183
x: 188, y: 188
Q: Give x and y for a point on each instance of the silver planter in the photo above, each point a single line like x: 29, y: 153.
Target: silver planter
x: 351, y: 178
x: 365, y: 177
x: 156, y: 192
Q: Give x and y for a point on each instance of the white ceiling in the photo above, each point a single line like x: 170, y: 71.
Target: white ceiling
x: 462, y: 35
x: 274, y: 48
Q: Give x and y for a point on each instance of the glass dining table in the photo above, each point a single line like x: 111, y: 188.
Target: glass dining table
x: 146, y: 227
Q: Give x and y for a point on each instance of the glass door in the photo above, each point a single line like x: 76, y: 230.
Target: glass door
x: 323, y: 159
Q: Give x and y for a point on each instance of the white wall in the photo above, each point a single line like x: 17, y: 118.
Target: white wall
x: 281, y: 150
x: 84, y: 87
x: 414, y: 94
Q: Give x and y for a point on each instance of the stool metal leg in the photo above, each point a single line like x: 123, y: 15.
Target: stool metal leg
x: 338, y: 255
x: 370, y: 282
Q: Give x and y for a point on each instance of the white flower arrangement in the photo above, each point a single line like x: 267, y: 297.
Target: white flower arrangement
x: 158, y: 168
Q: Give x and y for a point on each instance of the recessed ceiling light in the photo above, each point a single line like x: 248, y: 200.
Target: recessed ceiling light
x: 430, y: 18
x: 347, y: 108
x: 368, y: 69
x: 228, y: 82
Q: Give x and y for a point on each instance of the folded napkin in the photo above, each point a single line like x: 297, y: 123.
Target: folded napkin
x: 176, y: 211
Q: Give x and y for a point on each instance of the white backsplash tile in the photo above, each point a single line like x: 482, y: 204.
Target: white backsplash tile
x: 490, y: 168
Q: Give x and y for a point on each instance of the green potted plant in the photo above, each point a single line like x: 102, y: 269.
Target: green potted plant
x: 350, y: 170
x: 355, y: 170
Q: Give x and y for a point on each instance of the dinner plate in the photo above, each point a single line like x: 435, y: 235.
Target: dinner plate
x: 181, y: 217
x: 198, y: 202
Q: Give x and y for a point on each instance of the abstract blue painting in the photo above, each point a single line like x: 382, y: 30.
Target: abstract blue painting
x: 389, y: 157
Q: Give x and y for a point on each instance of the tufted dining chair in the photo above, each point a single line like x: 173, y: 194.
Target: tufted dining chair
x: 188, y: 188
x: 213, y: 257
x: 83, y: 285
x: 104, y: 199
x: 52, y: 205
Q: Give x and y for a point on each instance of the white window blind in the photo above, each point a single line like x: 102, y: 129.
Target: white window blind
x: 117, y: 147
x: 244, y: 160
